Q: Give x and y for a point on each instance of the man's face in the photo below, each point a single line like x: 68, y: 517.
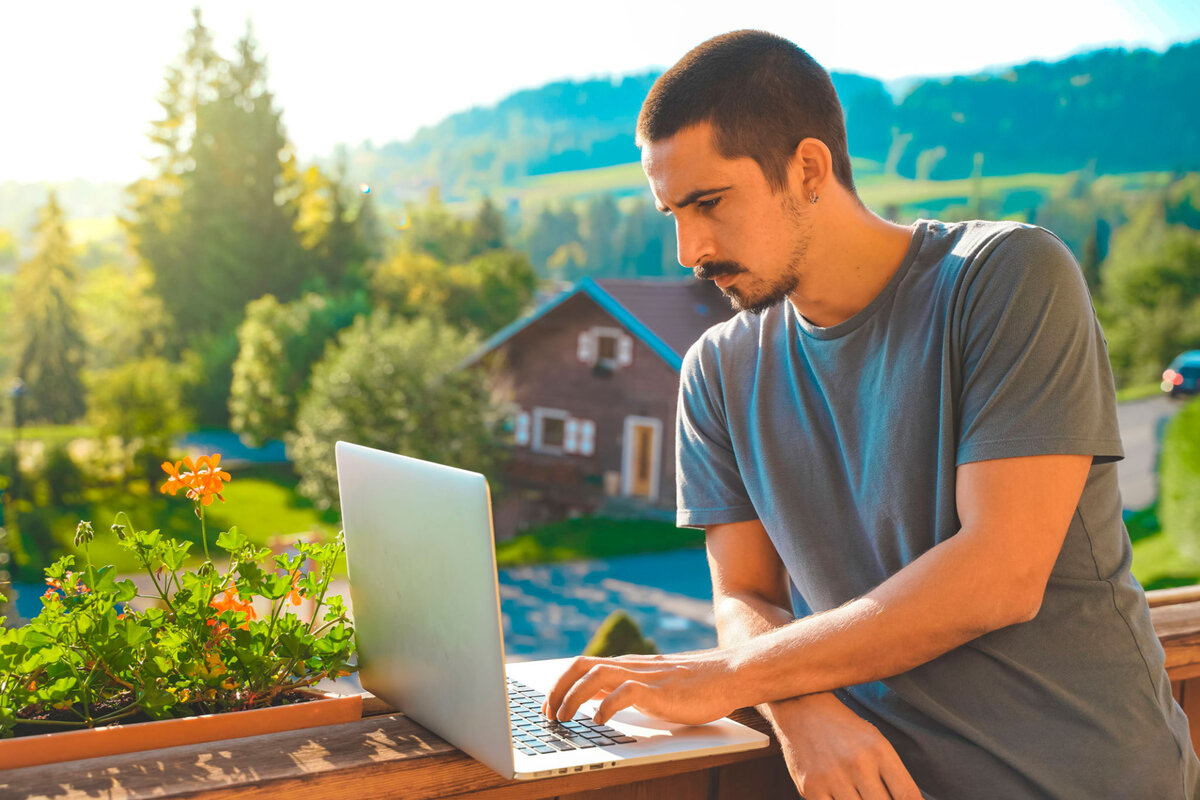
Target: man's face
x: 731, y: 227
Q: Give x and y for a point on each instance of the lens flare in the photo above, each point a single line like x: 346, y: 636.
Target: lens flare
x: 365, y: 188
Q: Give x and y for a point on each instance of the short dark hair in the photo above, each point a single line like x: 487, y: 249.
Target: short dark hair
x: 761, y: 93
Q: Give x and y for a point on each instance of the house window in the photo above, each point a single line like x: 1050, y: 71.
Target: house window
x: 608, y: 348
x: 553, y: 432
x: 556, y: 431
x: 549, y: 429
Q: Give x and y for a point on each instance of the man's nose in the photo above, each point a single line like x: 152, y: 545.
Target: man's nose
x: 693, y: 241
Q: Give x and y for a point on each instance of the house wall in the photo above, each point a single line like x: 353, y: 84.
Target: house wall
x: 544, y: 370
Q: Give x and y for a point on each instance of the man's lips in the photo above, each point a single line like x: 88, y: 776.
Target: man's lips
x: 722, y: 281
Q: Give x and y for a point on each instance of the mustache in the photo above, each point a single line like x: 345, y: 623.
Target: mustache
x: 715, y: 269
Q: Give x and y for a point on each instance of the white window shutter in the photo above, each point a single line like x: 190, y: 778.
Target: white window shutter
x: 586, y: 350
x: 522, y: 430
x: 625, y: 350
x: 587, y: 437
x: 571, y: 436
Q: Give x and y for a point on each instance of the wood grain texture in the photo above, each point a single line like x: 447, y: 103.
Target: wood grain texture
x: 381, y: 756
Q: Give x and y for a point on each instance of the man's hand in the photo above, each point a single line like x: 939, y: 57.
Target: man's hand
x: 832, y: 753
x: 687, y: 688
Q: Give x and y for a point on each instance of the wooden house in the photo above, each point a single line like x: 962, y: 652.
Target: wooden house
x: 593, y: 379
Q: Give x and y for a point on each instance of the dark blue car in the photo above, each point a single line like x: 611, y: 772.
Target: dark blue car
x: 1183, y: 376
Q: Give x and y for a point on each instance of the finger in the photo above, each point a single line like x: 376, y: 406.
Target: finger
x: 573, y: 673
x: 870, y: 787
x: 602, y: 677
x: 899, y: 782
x: 627, y: 694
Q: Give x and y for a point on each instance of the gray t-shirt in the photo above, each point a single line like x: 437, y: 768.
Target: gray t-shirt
x: 844, y: 441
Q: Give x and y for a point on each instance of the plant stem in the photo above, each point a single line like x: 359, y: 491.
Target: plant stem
x: 203, y: 532
x: 91, y: 572
x: 149, y: 567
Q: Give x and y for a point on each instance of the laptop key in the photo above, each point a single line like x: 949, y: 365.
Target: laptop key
x: 624, y: 739
x: 580, y: 742
x: 560, y: 745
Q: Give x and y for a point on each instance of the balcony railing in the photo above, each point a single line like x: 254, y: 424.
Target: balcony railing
x: 386, y: 755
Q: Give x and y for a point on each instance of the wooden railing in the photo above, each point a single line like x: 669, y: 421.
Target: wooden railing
x: 1176, y: 617
x: 386, y: 755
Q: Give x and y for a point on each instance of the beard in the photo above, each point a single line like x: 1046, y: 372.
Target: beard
x: 755, y: 295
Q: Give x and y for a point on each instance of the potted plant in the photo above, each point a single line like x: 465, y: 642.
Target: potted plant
x: 199, y: 665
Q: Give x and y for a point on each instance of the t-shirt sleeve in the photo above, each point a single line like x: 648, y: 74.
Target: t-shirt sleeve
x: 1035, y: 373
x: 709, y: 488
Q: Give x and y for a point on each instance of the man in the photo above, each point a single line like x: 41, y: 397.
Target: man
x: 914, y: 427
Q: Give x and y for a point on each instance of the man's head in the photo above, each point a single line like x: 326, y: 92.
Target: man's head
x: 726, y: 135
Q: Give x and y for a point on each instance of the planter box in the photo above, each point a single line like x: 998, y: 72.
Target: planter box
x: 49, y: 748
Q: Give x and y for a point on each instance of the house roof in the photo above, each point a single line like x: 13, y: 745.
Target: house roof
x: 666, y: 315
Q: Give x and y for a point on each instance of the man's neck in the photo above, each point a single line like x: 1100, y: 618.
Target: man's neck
x: 850, y: 259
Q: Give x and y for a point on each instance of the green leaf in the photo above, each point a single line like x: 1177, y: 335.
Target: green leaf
x: 275, y: 586
x: 134, y: 634
x: 155, y: 700
x: 105, y: 580
x: 126, y: 590
x: 175, y: 554
x: 231, y: 540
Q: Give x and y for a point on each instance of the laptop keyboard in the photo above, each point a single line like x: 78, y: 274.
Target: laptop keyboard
x: 534, y: 734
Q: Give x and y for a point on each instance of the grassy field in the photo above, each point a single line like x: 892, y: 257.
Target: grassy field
x: 1138, y: 392
x: 1003, y: 194
x: 49, y: 434
x: 594, y: 537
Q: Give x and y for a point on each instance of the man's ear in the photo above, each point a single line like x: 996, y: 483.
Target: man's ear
x: 810, y: 167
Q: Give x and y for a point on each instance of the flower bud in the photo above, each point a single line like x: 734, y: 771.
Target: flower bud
x: 84, y: 533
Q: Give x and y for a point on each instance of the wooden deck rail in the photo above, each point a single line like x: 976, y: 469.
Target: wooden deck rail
x: 386, y: 755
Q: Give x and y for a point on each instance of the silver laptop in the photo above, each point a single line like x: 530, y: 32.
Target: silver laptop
x: 422, y: 564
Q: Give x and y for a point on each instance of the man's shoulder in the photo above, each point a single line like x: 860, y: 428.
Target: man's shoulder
x: 738, y: 334
x: 978, y: 252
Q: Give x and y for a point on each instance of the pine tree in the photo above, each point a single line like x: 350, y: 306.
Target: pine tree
x: 239, y: 237
x: 50, y: 343
x: 487, y: 229
x: 153, y: 229
x: 213, y: 224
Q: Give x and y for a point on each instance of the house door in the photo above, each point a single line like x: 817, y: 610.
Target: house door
x: 640, y: 467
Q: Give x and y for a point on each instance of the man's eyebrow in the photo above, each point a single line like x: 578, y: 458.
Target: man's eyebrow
x: 692, y: 197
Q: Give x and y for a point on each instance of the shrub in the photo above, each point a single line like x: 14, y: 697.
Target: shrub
x: 1179, y: 480
x: 619, y: 635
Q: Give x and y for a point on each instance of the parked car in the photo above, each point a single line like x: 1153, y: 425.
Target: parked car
x: 1183, y: 376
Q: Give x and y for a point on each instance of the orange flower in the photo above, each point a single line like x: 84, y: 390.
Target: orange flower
x: 231, y: 602
x: 203, y: 481
x: 294, y: 595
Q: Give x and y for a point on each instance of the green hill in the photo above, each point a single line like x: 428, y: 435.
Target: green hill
x: 1124, y: 111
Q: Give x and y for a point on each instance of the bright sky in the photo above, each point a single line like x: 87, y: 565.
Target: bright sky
x: 78, y: 79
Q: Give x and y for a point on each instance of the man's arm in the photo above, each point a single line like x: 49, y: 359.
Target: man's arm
x: 1014, y: 515
x: 829, y: 750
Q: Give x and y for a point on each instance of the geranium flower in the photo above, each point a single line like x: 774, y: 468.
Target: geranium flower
x: 294, y: 595
x: 203, y: 480
x: 231, y: 602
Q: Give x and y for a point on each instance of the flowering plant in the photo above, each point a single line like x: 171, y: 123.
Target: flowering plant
x: 88, y: 659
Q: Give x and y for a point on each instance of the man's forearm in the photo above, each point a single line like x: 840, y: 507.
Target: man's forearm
x: 933, y: 605
x: 741, y: 618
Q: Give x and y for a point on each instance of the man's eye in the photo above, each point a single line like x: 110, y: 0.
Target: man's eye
x: 709, y: 203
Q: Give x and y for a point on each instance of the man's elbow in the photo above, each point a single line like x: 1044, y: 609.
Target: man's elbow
x: 1020, y: 602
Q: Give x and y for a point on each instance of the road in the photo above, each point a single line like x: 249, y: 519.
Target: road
x: 1140, y: 422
